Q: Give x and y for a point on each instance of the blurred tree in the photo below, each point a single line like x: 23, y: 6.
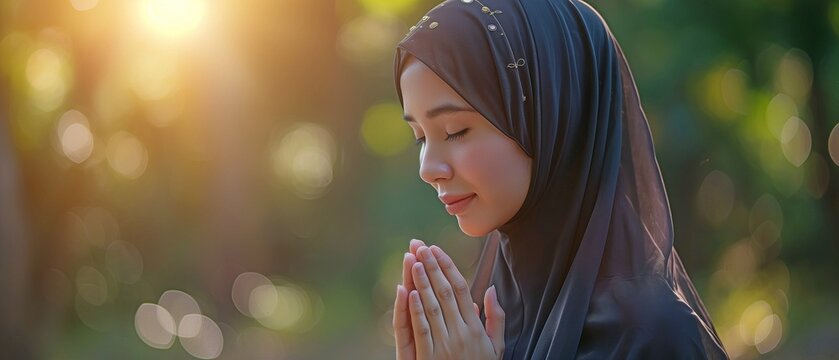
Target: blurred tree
x: 15, y: 300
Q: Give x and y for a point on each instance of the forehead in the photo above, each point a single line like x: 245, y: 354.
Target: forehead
x: 422, y: 88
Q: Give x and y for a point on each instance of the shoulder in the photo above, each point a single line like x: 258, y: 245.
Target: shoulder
x: 642, y: 317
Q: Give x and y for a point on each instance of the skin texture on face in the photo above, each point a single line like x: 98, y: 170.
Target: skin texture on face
x: 462, y: 153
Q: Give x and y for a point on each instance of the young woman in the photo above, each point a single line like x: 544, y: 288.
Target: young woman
x: 532, y: 134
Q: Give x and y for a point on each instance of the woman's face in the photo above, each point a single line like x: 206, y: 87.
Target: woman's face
x: 481, y: 175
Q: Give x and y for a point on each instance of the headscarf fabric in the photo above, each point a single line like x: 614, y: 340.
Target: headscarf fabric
x: 586, y: 268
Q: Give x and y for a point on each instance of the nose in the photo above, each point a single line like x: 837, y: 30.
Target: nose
x: 434, y: 167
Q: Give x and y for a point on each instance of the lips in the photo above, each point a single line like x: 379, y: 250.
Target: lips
x: 457, y: 204
x: 452, y: 199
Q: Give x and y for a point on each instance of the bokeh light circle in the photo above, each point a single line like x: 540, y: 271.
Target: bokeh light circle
x: 383, y: 131
x: 751, y: 318
x: 74, y: 136
x: 155, y: 326
x: 768, y: 333
x: 84, y: 5
x: 127, y: 155
x: 178, y: 305
x: 780, y: 109
x: 242, y: 290
x: 124, y: 261
x: 368, y: 40
x: 91, y: 285
x: 388, y: 7
x: 206, y: 340
x: 833, y: 144
x: 796, y: 141
x: 49, y: 75
x: 715, y: 197
x: 304, y: 158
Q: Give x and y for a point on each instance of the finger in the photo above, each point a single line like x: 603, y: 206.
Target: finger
x: 495, y: 320
x: 402, y: 330
x: 477, y: 311
x: 433, y: 312
x: 458, y: 284
x: 443, y: 291
x: 422, y: 329
x: 414, y: 245
x: 407, y: 279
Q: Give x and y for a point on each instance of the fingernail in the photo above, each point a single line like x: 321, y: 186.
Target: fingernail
x: 406, y: 255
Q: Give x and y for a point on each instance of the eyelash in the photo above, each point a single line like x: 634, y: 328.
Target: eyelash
x: 450, y: 137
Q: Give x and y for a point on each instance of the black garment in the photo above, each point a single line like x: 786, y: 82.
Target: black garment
x: 586, y: 268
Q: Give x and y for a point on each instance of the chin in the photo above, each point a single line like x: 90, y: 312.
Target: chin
x: 472, y: 229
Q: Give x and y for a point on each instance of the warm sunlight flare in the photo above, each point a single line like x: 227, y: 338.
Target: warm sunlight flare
x: 174, y: 17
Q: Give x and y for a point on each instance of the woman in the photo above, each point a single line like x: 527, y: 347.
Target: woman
x: 532, y: 134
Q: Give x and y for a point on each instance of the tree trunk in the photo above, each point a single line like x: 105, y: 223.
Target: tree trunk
x: 15, y: 320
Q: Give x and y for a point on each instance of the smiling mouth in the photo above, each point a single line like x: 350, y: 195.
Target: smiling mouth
x: 460, y: 205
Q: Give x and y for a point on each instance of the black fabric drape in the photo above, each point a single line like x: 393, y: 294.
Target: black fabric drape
x: 586, y: 268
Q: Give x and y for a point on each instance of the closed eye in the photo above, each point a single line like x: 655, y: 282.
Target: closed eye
x: 449, y: 137
x: 456, y: 135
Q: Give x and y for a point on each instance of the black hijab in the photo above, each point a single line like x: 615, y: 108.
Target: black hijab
x: 586, y: 268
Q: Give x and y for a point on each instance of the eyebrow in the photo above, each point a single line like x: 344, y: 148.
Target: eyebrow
x: 440, y: 110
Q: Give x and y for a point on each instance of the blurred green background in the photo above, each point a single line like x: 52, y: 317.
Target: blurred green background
x: 232, y: 179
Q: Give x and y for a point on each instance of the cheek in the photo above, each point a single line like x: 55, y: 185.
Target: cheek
x: 496, y: 171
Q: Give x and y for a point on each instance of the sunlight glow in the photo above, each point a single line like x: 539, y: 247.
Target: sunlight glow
x: 174, y: 17
x: 84, y: 5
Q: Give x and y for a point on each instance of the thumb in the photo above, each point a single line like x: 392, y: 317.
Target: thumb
x: 494, y: 320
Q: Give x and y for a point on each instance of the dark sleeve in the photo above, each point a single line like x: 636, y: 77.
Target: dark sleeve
x: 643, y: 319
x: 672, y: 340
